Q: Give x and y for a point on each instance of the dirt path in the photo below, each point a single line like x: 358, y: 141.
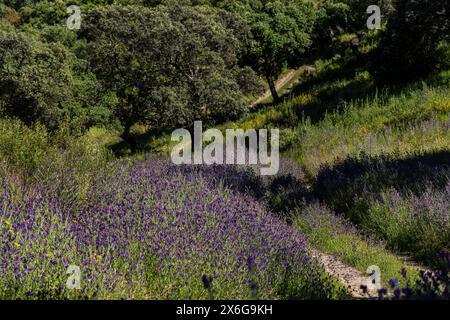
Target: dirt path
x: 280, y: 83
x: 350, y: 277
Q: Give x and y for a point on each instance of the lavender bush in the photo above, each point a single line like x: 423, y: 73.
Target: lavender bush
x: 429, y: 286
x: 402, y: 201
x: 417, y: 224
x: 350, y: 186
x: 151, y: 230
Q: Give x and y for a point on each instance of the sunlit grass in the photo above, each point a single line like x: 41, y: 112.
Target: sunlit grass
x: 334, y: 236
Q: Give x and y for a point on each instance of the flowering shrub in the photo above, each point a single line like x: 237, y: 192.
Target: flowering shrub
x: 419, y: 224
x: 151, y: 230
x: 429, y: 286
x: 404, y: 202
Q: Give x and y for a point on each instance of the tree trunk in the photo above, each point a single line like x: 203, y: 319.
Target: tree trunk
x: 126, y: 136
x: 273, y: 89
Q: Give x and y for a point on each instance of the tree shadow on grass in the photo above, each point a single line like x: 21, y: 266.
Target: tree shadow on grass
x: 356, y: 186
x: 332, y: 99
x: 281, y: 193
x: 143, y: 142
x: 341, y: 185
x: 350, y: 187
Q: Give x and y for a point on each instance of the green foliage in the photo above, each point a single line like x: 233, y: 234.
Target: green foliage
x: 281, y: 33
x: 340, y: 17
x: 409, y: 46
x: 167, y: 83
x: 41, y: 13
x: 24, y: 148
x: 35, y: 79
x: 415, y: 224
x: 17, y: 4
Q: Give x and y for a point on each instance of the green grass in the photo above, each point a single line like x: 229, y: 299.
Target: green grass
x: 33, y: 154
x: 419, y: 225
x: 332, y: 236
x: 410, y: 121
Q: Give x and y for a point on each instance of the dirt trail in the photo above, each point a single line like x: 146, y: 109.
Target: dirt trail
x: 350, y: 277
x: 280, y: 83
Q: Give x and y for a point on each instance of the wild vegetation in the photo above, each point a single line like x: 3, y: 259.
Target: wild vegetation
x: 85, y: 118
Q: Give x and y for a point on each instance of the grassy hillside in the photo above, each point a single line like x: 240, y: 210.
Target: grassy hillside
x: 86, y: 117
x: 380, y: 156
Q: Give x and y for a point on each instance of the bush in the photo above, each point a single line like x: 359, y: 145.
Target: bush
x: 23, y: 148
x: 409, y: 47
x: 419, y: 224
x: 60, y: 162
x: 35, y: 78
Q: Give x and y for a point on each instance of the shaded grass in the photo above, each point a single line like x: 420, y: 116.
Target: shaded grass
x: 419, y: 225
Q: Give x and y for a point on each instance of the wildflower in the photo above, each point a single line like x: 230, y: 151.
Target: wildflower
x: 382, y: 292
x: 393, y: 282
x: 250, y: 263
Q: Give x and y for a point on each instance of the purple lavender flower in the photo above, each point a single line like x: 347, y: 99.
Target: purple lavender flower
x: 144, y: 221
x: 393, y: 282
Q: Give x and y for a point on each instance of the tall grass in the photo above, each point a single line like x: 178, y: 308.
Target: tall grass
x: 418, y: 224
x: 415, y: 121
x: 63, y: 162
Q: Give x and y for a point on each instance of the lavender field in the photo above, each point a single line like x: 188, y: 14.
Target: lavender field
x: 152, y: 230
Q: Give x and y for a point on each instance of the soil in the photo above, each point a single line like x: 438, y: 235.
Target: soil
x: 350, y: 277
